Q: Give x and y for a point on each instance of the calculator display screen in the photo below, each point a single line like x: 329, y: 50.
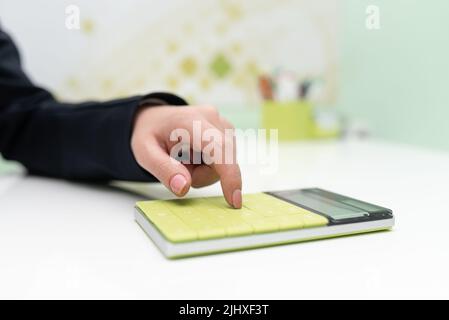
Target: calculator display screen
x: 336, y: 207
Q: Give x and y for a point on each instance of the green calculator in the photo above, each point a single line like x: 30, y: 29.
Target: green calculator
x: 197, y: 226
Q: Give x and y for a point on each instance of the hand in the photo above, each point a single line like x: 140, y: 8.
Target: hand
x: 152, y: 145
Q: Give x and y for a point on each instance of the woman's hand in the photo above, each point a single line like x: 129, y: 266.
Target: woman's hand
x: 154, y: 137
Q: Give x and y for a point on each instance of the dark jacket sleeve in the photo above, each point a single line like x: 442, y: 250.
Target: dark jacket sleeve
x: 88, y: 141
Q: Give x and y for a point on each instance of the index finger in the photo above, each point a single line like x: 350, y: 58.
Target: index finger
x: 226, y: 167
x: 230, y: 174
x: 231, y: 183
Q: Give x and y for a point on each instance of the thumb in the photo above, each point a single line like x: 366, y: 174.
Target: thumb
x: 172, y: 173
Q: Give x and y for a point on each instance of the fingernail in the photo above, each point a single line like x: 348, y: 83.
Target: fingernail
x: 178, y: 183
x: 237, y: 199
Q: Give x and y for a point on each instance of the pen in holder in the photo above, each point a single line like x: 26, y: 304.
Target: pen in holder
x: 293, y: 120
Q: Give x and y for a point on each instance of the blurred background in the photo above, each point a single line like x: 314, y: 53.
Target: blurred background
x: 322, y: 69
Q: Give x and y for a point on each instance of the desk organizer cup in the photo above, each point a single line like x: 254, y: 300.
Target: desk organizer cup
x: 293, y: 120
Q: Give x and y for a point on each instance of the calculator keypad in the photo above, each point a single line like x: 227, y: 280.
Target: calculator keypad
x: 183, y: 220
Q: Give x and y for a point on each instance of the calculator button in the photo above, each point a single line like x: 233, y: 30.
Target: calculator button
x: 290, y: 222
x: 173, y: 228
x: 313, y: 220
x: 197, y: 218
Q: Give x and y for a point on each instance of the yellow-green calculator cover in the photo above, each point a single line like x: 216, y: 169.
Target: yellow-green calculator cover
x: 184, y: 220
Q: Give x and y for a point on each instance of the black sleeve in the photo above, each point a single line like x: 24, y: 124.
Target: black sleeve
x: 88, y: 141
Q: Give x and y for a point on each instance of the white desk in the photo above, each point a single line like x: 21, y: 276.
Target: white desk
x: 64, y: 240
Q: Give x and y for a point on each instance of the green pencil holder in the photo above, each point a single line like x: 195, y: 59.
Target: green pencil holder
x: 293, y: 120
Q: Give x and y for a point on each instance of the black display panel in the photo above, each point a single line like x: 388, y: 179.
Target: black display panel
x: 337, y: 208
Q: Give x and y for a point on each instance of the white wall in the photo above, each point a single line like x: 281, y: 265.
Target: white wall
x: 127, y: 47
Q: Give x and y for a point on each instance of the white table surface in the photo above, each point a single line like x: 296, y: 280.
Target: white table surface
x: 60, y: 239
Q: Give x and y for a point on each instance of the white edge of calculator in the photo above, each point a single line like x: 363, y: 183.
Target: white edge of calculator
x: 185, y: 249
